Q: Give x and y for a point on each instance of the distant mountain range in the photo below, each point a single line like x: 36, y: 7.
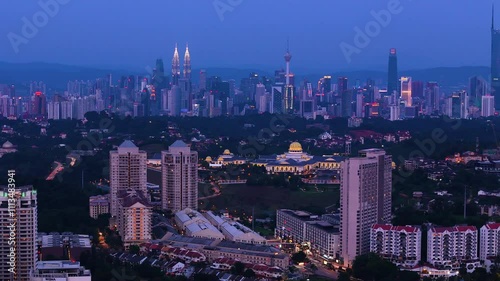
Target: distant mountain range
x: 56, y: 76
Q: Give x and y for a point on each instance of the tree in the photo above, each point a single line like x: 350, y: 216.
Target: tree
x: 373, y: 267
x: 249, y: 273
x: 205, y: 277
x: 299, y: 257
x: 238, y: 268
x: 134, y: 249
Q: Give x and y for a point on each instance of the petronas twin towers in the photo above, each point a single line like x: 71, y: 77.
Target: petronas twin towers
x: 176, y: 66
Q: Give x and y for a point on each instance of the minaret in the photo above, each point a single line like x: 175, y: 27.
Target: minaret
x: 187, y: 64
x: 176, y: 67
x: 288, y: 58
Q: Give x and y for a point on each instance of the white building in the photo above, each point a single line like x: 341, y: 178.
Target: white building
x: 60, y: 271
x: 25, y: 235
x: 487, y: 106
x: 303, y: 227
x: 98, y: 205
x: 179, y: 177
x: 194, y: 224
x: 451, y: 246
x: 53, y: 110
x: 489, y: 247
x: 399, y: 244
x: 128, y: 168
x: 235, y: 231
x: 395, y: 112
x: 365, y: 199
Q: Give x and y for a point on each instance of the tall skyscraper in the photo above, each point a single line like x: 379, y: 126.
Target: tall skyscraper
x: 432, y: 98
x: 341, y: 85
x: 488, y: 106
x: 392, y: 79
x: 187, y: 64
x: 406, y: 91
x: 417, y: 89
x: 176, y: 67
x: 365, y: 199
x: 23, y: 245
x: 203, y: 79
x: 128, y: 170
x: 277, y: 98
x: 39, y: 104
x: 478, y: 87
x: 495, y: 60
x: 179, y: 177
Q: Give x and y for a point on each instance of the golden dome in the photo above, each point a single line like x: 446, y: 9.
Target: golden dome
x: 220, y: 159
x: 208, y: 159
x: 295, y: 147
x: 227, y: 152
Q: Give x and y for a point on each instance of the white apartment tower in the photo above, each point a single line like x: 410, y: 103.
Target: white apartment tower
x: 128, y: 170
x: 399, y: 244
x: 365, y: 199
x: 24, y: 233
x: 179, y: 177
x: 447, y: 245
x: 489, y: 241
x: 487, y: 106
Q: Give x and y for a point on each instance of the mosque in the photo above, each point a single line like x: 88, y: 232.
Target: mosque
x: 298, y: 162
x: 226, y: 158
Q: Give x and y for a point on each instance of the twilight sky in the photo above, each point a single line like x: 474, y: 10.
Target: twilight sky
x: 248, y: 33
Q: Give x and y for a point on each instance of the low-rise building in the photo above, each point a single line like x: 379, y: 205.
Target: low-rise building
x: 193, y: 223
x: 451, y: 247
x: 60, y: 271
x: 64, y: 245
x: 98, y: 205
x: 322, y: 236
x: 398, y: 244
x: 489, y: 247
x: 234, y: 231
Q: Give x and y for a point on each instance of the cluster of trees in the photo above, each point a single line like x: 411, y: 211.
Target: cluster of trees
x: 372, y: 267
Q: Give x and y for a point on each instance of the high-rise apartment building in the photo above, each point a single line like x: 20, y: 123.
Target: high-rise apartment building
x: 134, y: 214
x: 179, y: 177
x: 365, y: 199
x: 128, y: 171
x: 487, y: 106
x: 20, y: 240
x: 399, y: 244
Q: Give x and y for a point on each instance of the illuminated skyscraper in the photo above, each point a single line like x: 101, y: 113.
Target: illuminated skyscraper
x: 406, y: 93
x: 176, y: 67
x: 392, y: 79
x: 289, y: 88
x: 495, y: 60
x: 187, y: 64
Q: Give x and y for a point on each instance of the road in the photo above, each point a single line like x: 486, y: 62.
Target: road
x: 59, y: 167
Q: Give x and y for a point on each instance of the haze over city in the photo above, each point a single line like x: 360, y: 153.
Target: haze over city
x: 126, y: 34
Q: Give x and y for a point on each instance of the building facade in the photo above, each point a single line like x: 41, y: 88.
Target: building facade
x: 489, y: 246
x: 179, y: 177
x: 452, y: 246
x: 399, y: 244
x: 127, y: 171
x: 98, y: 205
x: 365, y: 199
x: 20, y: 241
x: 133, y: 217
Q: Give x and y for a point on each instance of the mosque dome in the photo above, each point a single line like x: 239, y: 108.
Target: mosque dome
x: 227, y: 152
x: 295, y: 147
x: 208, y: 159
x: 7, y: 144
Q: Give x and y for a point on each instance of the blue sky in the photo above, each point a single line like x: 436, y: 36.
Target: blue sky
x: 249, y: 33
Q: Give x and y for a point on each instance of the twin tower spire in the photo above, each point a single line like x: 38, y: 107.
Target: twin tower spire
x: 176, y: 64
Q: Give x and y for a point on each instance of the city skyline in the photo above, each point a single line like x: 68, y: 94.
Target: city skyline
x: 238, y: 22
